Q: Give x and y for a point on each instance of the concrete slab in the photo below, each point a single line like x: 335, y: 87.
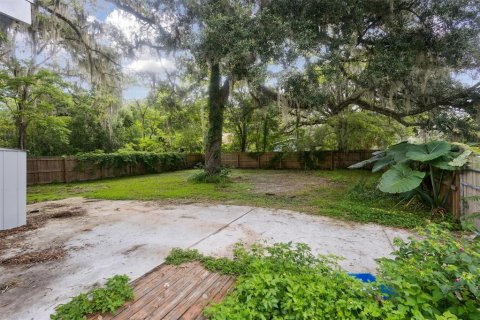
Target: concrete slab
x: 358, y: 244
x: 132, y: 237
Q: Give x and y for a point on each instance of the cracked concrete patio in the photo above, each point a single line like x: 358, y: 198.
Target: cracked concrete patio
x: 132, y: 237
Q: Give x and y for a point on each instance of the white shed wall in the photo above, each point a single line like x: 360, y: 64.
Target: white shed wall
x: 13, y: 188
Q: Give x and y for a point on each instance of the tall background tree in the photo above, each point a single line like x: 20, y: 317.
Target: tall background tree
x: 60, y: 39
x: 247, y: 75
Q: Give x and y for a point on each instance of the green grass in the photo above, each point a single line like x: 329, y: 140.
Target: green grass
x: 339, y: 196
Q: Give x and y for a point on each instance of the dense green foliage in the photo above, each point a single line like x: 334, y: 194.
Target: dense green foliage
x: 303, y: 76
x: 393, y: 58
x: 433, y: 277
x: 222, y: 176
x: 151, y: 162
x: 418, y: 170
x: 106, y: 299
x: 178, y: 256
x: 438, y: 274
x: 288, y: 282
x: 338, y: 194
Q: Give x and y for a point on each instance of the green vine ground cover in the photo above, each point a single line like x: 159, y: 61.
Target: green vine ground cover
x: 345, y: 194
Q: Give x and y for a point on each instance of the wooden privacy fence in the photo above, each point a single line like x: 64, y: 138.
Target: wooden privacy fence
x: 470, y: 188
x: 326, y: 160
x: 44, y: 170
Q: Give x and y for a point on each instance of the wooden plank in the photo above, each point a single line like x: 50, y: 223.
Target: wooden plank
x: 159, y: 291
x: 183, y: 301
x: 213, y: 295
x: 162, y: 304
x: 191, y: 288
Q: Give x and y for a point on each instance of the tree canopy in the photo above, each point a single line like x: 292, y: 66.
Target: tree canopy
x: 249, y: 75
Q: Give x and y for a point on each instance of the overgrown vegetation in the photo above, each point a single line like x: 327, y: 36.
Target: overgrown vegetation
x: 435, y: 277
x: 330, y: 193
x: 419, y: 170
x: 223, y: 176
x: 151, y: 162
x: 106, y: 299
x: 286, y: 281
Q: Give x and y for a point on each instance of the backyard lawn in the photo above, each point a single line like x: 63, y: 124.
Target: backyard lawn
x: 344, y: 194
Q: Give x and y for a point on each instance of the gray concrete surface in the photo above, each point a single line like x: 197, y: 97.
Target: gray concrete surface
x: 132, y: 237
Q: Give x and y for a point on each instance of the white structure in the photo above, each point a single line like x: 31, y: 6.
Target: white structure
x: 13, y: 188
x: 17, y: 9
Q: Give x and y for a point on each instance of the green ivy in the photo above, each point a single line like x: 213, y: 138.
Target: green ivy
x: 311, y: 159
x: 107, y: 299
x: 152, y: 162
x: 276, y: 160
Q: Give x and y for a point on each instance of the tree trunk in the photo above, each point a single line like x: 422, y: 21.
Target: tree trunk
x: 20, y: 121
x: 217, y: 97
x: 243, y: 136
x: 265, y: 133
x: 342, y: 134
x: 21, y: 132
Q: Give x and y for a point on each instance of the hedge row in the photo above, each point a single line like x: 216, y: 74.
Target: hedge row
x: 151, y: 162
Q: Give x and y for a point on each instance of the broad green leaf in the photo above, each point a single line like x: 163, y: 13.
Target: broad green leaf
x: 461, y: 160
x: 363, y: 163
x: 429, y: 151
x: 382, y: 163
x: 400, y: 178
x: 398, y: 151
x: 442, y: 163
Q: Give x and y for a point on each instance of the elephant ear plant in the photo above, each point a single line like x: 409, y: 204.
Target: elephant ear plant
x: 419, y: 170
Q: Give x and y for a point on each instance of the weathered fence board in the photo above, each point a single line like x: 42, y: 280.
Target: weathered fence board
x: 470, y: 187
x: 44, y: 170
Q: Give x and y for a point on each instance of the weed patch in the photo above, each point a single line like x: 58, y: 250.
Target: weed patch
x: 107, y: 299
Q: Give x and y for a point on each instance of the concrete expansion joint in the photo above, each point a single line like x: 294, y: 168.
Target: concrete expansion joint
x: 222, y: 228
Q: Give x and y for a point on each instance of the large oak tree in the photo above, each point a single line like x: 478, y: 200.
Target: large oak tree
x: 397, y: 58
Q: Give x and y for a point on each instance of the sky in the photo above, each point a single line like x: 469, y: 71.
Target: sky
x: 144, y: 61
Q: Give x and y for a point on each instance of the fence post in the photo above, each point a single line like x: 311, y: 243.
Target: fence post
x: 332, y: 166
x: 37, y: 173
x: 65, y: 175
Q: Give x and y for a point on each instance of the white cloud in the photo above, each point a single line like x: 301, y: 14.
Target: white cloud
x: 151, y: 65
x: 131, y: 27
x: 134, y: 29
x: 91, y: 19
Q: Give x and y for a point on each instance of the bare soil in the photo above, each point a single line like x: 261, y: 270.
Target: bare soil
x: 37, y: 217
x: 285, y: 183
x: 39, y: 256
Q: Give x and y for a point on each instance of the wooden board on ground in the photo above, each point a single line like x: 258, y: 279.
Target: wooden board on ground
x: 173, y: 292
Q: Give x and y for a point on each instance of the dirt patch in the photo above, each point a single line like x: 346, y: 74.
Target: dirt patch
x: 54, y: 205
x: 41, y: 256
x: 70, y: 213
x: 283, y: 183
x: 34, y: 221
x: 4, y: 287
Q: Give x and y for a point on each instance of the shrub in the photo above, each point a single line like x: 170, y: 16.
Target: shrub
x: 204, y: 177
x: 288, y: 282
x: 418, y: 170
x: 106, y: 299
x: 436, y: 277
x: 152, y: 162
